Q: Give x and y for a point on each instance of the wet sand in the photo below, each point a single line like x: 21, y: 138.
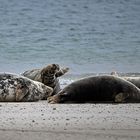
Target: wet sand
x: 40, y: 121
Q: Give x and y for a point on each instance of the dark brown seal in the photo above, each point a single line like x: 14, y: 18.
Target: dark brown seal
x: 47, y: 75
x: 98, y: 89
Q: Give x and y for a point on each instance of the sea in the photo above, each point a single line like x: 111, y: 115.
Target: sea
x: 88, y: 36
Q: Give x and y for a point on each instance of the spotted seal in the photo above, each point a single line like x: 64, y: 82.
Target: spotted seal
x: 134, y: 80
x: 16, y: 88
x: 47, y: 75
x: 104, y: 88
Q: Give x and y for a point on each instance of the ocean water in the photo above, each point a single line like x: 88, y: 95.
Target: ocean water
x: 88, y: 36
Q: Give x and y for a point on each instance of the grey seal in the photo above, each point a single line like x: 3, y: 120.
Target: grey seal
x: 98, y: 89
x: 47, y: 75
x: 16, y: 88
x: 134, y: 80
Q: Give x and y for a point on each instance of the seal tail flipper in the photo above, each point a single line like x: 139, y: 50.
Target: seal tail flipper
x: 62, y: 72
x: 20, y: 92
x: 49, y: 92
x: 120, y: 98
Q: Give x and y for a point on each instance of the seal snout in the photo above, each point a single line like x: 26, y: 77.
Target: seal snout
x: 53, y: 99
x: 61, y: 97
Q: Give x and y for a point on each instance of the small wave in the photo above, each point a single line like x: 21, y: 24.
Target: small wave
x: 64, y: 82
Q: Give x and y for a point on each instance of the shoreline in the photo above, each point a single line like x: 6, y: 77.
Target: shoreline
x: 97, y: 134
x: 40, y: 120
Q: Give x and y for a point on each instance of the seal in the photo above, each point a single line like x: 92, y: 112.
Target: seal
x: 134, y: 80
x: 16, y: 88
x: 104, y: 88
x: 47, y: 75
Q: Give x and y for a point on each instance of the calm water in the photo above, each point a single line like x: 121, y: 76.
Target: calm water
x: 89, y: 36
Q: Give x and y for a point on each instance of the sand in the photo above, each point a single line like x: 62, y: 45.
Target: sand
x: 40, y: 121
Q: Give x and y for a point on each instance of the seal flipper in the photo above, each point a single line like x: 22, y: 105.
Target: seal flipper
x: 121, y: 97
x: 21, y: 91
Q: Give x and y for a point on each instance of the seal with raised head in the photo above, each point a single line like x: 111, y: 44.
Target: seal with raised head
x: 98, y: 89
x: 16, y: 88
x: 47, y: 75
x: 134, y: 80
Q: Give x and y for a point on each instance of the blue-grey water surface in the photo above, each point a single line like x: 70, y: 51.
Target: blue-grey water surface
x: 89, y: 36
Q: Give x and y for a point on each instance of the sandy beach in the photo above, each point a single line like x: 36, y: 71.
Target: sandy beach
x: 40, y: 120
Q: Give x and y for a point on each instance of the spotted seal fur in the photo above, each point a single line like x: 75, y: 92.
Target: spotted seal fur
x: 134, y: 80
x: 47, y: 75
x: 98, y: 89
x: 16, y: 88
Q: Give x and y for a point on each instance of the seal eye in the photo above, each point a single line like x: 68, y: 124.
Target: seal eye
x: 62, y: 98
